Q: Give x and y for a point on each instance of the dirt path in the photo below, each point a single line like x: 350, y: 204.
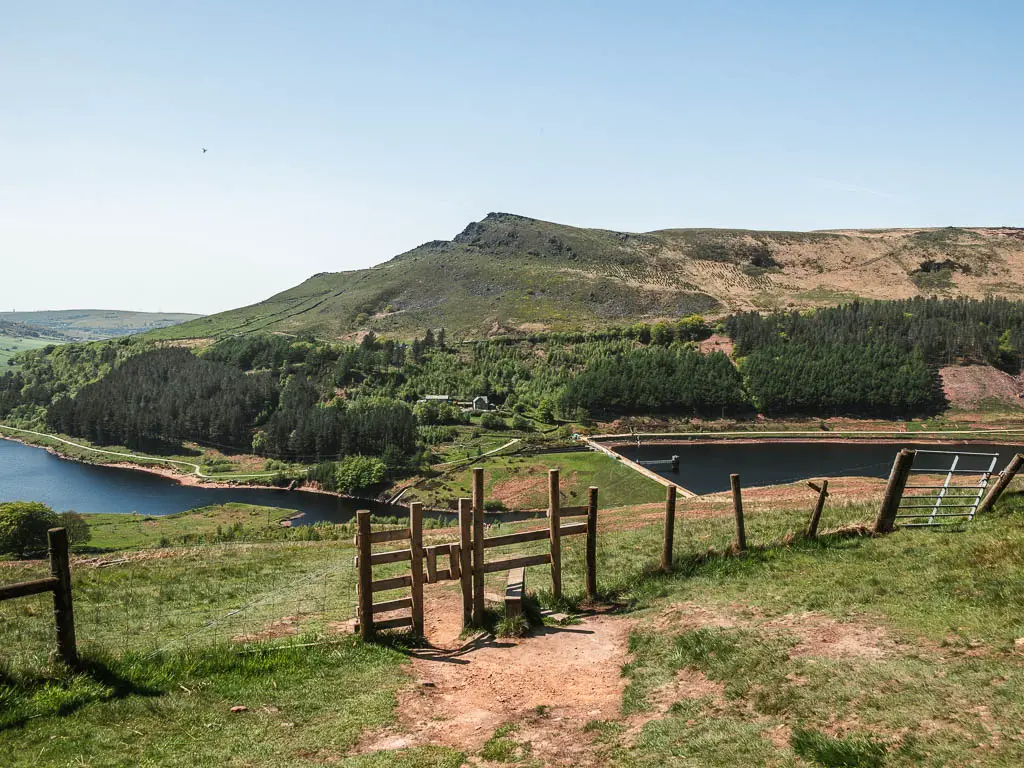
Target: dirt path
x: 550, y: 685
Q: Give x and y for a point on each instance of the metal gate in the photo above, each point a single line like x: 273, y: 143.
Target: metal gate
x: 953, y: 501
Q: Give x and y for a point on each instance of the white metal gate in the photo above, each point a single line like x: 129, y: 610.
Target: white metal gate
x: 952, y: 501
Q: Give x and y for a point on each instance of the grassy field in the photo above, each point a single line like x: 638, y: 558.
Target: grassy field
x: 114, y: 532
x: 520, y: 482
x: 846, y: 651
x: 12, y: 345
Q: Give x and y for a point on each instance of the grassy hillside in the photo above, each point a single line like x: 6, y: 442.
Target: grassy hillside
x: 94, y: 324
x: 845, y: 651
x: 508, y: 273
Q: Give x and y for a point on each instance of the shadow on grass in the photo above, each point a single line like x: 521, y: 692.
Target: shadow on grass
x: 60, y: 691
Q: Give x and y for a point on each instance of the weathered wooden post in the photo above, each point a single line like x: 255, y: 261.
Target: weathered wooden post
x: 737, y: 506
x: 63, y: 609
x: 478, y: 546
x: 592, y: 545
x: 898, y: 477
x: 364, y: 545
x: 416, y: 564
x: 466, y: 560
x: 1005, y: 478
x: 670, y: 529
x: 812, y: 525
x: 554, y: 523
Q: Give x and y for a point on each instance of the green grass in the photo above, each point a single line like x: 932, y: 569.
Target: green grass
x: 945, y: 688
x: 11, y: 346
x: 510, y: 274
x: 521, y: 482
x: 303, y: 706
x: 501, y: 748
x: 111, y: 532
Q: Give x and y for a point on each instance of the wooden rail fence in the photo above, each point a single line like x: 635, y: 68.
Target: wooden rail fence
x: 59, y: 583
x: 467, y: 563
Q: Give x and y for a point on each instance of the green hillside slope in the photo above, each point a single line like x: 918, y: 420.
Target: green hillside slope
x: 508, y: 273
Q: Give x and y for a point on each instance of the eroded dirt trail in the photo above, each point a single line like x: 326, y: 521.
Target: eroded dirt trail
x: 550, y: 685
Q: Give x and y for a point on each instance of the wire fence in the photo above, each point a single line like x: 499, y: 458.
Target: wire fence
x: 166, y: 599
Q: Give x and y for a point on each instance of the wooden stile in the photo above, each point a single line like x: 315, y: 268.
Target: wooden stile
x: 465, y: 560
x: 523, y: 561
x: 554, y: 521
x: 365, y: 571
x: 737, y: 506
x: 416, y: 556
x: 395, y: 582
x: 478, y: 546
x: 455, y: 558
x: 430, y: 555
x: 392, y: 605
x: 396, y: 534
x: 516, y: 538
x: 591, y: 557
x: 393, y: 556
x: 515, y: 590
x: 670, y: 529
x: 538, y: 534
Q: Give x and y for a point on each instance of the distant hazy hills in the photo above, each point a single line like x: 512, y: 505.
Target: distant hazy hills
x: 85, y: 324
x: 510, y: 274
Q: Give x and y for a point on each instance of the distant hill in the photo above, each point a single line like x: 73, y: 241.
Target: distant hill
x: 14, y: 330
x: 91, y: 324
x: 511, y: 274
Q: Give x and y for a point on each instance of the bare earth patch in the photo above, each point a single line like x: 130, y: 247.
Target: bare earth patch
x: 550, y: 685
x: 816, y: 634
x: 967, y: 386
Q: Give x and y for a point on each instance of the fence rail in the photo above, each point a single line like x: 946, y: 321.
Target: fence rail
x: 59, y: 583
x: 467, y: 561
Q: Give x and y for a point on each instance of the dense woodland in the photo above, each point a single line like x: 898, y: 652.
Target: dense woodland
x: 307, y: 400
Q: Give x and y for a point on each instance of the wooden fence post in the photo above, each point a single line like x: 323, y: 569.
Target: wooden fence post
x: 554, y: 524
x: 812, y: 525
x: 466, y: 560
x: 63, y: 610
x: 592, y: 545
x: 670, y: 529
x: 737, y: 505
x: 478, y: 546
x: 901, y: 467
x: 1005, y: 478
x: 416, y: 564
x: 365, y: 611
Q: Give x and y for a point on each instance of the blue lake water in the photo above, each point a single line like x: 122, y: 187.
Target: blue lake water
x: 32, y: 474
x: 705, y: 467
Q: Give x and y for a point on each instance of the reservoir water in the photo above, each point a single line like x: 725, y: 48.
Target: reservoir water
x: 705, y: 467
x: 32, y: 474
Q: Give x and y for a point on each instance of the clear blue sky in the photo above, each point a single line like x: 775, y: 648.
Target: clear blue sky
x: 340, y: 134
